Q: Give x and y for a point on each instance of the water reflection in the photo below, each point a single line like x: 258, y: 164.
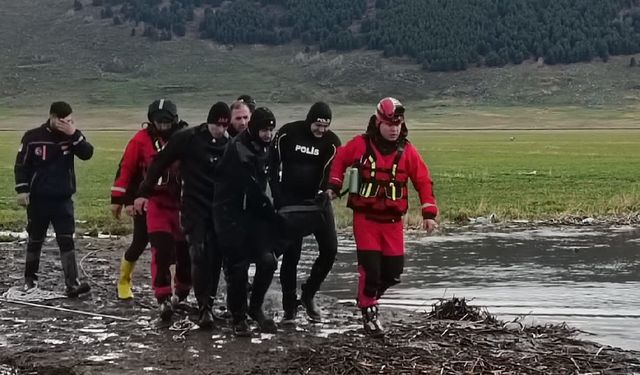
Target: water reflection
x: 588, y: 277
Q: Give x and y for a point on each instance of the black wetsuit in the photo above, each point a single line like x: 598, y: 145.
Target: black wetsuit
x: 199, y: 154
x: 140, y: 238
x: 245, y: 221
x: 299, y: 168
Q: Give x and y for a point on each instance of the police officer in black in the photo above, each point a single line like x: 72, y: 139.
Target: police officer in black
x: 300, y: 160
x: 198, y: 149
x: 45, y: 181
x: 246, y: 222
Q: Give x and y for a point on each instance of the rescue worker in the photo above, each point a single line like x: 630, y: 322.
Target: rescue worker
x: 300, y: 159
x: 198, y: 150
x: 246, y: 222
x: 165, y: 235
x: 240, y: 115
x: 385, y: 162
x: 139, y: 240
x: 45, y: 182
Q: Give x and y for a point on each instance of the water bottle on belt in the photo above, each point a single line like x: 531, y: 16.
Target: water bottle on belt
x: 354, y: 180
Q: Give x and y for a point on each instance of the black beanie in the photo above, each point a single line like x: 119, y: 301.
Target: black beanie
x: 219, y: 114
x: 319, y: 112
x: 60, y: 109
x: 249, y: 101
x: 261, y: 118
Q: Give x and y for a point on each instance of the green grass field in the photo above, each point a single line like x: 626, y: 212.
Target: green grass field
x: 516, y: 174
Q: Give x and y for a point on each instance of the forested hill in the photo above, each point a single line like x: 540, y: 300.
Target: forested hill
x: 442, y: 35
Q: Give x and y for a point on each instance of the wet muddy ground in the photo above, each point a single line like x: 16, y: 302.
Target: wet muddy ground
x: 35, y: 340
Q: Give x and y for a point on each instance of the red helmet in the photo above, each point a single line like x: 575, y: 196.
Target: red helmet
x: 390, y: 111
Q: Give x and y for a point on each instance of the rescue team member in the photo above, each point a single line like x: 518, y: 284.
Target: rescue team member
x: 140, y: 238
x: 166, y: 238
x: 246, y: 222
x: 300, y: 159
x: 45, y: 182
x: 240, y: 115
x: 198, y: 150
x: 385, y: 161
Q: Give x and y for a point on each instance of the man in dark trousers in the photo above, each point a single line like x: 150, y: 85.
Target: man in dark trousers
x: 45, y: 182
x: 300, y: 159
x: 140, y: 238
x: 198, y: 150
x: 246, y: 222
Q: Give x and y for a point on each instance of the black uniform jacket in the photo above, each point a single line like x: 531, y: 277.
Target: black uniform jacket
x: 300, y: 163
x: 199, y: 154
x: 45, y: 162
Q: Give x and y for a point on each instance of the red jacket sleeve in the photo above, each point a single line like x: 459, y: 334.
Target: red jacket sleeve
x: 128, y: 170
x: 346, y: 156
x: 421, y: 179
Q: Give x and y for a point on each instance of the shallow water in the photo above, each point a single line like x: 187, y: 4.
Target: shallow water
x: 588, y: 277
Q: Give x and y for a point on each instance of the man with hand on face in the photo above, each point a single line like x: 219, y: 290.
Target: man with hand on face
x: 385, y: 161
x: 168, y: 244
x: 245, y: 221
x: 240, y: 115
x: 198, y: 150
x: 300, y: 159
x: 45, y: 182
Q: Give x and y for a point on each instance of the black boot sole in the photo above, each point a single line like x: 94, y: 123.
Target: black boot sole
x: 81, y: 289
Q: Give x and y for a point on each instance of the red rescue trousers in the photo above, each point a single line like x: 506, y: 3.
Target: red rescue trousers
x: 168, y: 246
x: 380, y: 249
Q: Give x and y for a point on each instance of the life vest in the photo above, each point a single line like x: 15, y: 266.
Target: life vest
x: 382, y: 189
x: 170, y: 180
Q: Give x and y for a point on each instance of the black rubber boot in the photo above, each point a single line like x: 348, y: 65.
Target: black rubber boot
x: 266, y: 325
x: 290, y: 307
x: 70, y: 271
x: 241, y: 328
x: 29, y: 284
x: 371, y: 322
x: 307, y: 300
x: 206, y: 320
x: 165, y: 309
x: 76, y: 290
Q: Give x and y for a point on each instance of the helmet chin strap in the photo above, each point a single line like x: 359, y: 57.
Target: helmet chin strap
x: 163, y: 127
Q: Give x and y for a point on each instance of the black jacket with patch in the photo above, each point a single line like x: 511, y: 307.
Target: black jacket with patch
x: 45, y: 162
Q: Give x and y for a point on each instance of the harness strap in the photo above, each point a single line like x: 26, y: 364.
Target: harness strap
x: 369, y: 186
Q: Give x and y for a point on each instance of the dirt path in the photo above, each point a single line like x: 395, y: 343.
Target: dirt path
x: 43, y: 341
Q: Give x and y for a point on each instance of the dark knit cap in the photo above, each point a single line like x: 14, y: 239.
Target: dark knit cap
x: 60, y: 109
x: 249, y: 101
x: 219, y: 114
x: 319, y: 112
x: 261, y: 119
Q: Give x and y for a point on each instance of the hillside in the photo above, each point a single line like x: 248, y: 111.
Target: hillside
x: 52, y: 50
x: 442, y: 35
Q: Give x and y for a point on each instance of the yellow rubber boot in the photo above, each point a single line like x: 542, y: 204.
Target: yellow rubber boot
x: 124, y: 282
